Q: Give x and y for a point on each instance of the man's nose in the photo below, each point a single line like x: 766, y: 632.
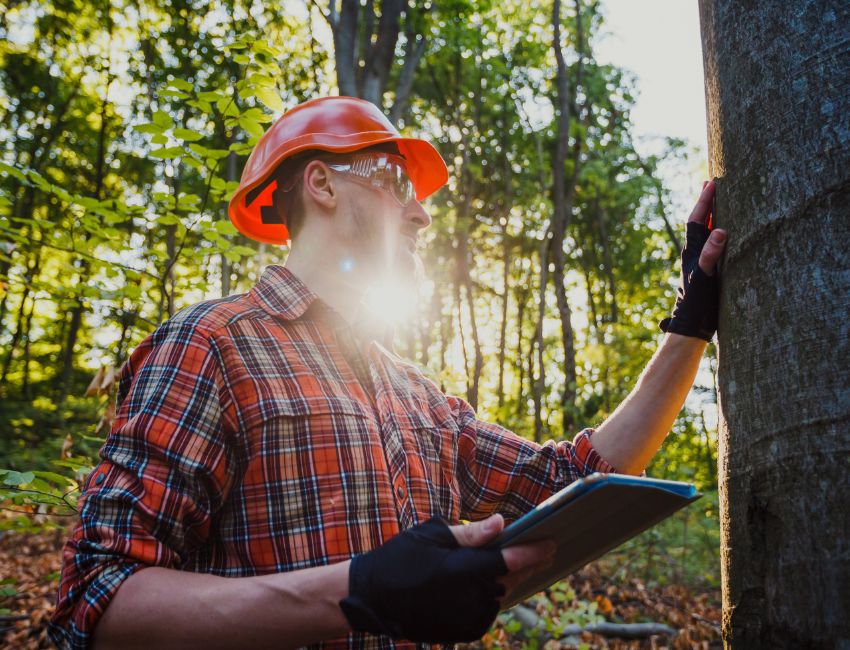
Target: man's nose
x: 418, y: 215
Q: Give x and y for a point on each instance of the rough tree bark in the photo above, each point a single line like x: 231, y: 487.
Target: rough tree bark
x: 778, y: 103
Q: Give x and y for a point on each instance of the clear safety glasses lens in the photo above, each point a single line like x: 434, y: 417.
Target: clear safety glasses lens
x: 385, y: 171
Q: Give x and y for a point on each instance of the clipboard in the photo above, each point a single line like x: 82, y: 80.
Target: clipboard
x: 590, y: 517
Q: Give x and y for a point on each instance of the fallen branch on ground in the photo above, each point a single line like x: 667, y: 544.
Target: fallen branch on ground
x: 531, y: 621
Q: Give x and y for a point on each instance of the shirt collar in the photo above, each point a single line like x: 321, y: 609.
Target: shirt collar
x: 281, y: 293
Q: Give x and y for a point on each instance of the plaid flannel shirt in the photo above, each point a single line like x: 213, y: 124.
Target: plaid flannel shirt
x: 261, y: 433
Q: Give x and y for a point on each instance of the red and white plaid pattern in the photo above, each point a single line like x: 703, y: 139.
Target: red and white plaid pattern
x: 260, y: 433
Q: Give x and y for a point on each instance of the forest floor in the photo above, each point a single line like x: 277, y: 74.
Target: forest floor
x: 29, y: 578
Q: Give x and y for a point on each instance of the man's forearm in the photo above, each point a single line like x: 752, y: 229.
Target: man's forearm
x: 631, y: 436
x: 165, y: 608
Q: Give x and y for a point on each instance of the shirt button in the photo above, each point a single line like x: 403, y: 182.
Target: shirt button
x: 399, y: 491
x: 99, y: 479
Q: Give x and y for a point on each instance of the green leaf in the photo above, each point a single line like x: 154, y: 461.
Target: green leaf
x: 167, y: 152
x: 88, y: 202
x: 78, y: 464
x: 260, y: 80
x: 225, y: 228
x: 176, y: 94
x: 243, y: 250
x: 241, y: 147
x: 203, y: 106
x: 163, y: 119
x: 159, y: 138
x: 216, y: 154
x: 54, y: 477
x: 148, y: 128
x: 242, y: 59
x: 13, y: 171
x: 265, y: 48
x: 181, y: 84
x: 199, y: 149
x: 18, y: 478
x: 211, y: 96
x: 132, y: 291
x: 227, y: 107
x: 251, y: 126
x: 188, y: 135
x: 188, y: 200
x: 257, y: 115
x: 270, y: 98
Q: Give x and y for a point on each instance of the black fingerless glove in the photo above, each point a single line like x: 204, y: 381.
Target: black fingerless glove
x: 697, y: 301
x: 422, y: 586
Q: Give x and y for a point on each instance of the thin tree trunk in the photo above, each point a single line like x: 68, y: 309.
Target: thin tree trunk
x: 778, y: 104
x: 562, y: 208
x: 100, y: 166
x: 539, y: 384
x: 613, y: 312
x: 225, y: 263
x: 16, y: 337
x: 503, y: 325
x: 464, y: 281
x: 25, y: 383
x: 521, y: 307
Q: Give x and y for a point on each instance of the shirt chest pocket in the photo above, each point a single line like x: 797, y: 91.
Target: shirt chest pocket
x: 430, y: 459
x: 317, y: 474
x: 312, y: 438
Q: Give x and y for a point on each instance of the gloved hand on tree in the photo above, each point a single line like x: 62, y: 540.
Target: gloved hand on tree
x: 697, y: 301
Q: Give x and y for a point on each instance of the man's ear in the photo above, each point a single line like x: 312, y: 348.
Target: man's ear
x: 319, y: 185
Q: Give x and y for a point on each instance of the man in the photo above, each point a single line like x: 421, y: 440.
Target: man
x: 264, y: 440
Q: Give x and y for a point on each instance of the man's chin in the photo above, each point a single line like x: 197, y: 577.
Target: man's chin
x: 409, y: 268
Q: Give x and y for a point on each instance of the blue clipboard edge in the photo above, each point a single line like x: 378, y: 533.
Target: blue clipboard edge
x: 582, y: 487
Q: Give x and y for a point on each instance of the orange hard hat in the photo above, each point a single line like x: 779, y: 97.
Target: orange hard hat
x: 336, y: 124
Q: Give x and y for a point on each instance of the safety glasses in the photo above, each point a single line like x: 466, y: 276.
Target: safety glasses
x: 386, y: 171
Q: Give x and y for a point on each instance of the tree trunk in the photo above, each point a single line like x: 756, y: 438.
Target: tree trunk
x: 520, y: 320
x: 365, y: 56
x: 778, y: 104
x: 16, y: 337
x: 539, y: 382
x: 562, y: 202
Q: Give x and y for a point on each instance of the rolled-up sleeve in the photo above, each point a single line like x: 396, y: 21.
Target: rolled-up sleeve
x: 498, y: 471
x: 165, y: 471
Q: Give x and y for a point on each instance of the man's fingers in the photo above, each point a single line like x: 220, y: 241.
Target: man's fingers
x: 703, y: 207
x: 523, y: 556
x: 712, y: 250
x: 516, y: 578
x: 478, y: 533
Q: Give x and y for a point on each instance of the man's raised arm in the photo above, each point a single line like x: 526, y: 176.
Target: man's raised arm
x: 632, y: 435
